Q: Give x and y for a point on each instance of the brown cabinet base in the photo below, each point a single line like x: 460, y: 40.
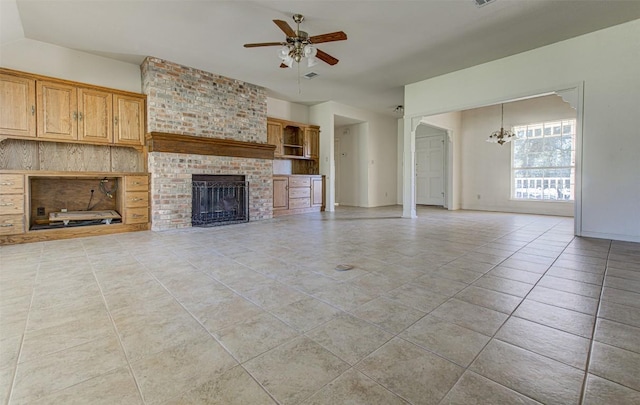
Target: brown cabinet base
x: 297, y: 194
x: 33, y: 204
x: 77, y: 232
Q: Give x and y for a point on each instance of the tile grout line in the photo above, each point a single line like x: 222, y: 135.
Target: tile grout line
x: 511, y: 315
x: 115, y: 330
x: 583, y: 389
x: 24, y: 332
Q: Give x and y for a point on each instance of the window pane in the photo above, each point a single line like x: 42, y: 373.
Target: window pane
x: 543, y: 160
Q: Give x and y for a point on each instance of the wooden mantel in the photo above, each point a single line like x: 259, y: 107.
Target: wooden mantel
x: 196, y: 145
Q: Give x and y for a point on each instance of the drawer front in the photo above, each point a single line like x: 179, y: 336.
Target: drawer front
x: 299, y: 192
x: 11, y: 224
x: 299, y: 182
x: 11, y: 204
x: 136, y: 183
x: 299, y: 203
x: 137, y: 199
x: 11, y: 184
x: 136, y: 215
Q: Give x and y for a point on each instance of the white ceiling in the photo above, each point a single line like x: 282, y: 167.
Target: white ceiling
x: 391, y: 43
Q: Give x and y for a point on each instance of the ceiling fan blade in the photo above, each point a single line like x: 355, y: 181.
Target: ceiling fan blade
x: 262, y: 44
x: 330, y: 37
x: 323, y: 56
x: 285, y: 27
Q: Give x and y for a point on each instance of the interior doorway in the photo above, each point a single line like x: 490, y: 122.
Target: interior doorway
x: 430, y: 165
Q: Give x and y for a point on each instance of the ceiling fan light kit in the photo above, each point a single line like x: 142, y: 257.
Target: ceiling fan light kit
x: 298, y: 45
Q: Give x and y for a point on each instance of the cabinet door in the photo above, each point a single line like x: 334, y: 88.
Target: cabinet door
x: 280, y: 193
x: 274, y: 136
x: 311, y: 143
x: 95, y: 112
x: 17, y: 106
x: 317, y: 191
x: 128, y: 120
x: 57, y: 111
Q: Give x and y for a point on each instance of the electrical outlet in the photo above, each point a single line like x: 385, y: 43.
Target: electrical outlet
x: 40, y: 211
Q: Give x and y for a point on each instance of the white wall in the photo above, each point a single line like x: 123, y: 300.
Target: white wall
x: 287, y: 110
x: 63, y: 63
x: 486, y: 167
x: 381, y: 159
x: 607, y: 62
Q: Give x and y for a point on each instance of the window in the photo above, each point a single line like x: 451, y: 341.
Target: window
x: 543, y: 161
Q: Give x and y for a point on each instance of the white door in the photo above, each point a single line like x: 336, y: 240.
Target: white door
x: 430, y: 170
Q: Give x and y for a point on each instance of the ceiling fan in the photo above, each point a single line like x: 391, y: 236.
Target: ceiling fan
x: 298, y: 44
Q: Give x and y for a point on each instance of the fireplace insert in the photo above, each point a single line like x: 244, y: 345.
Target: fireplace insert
x: 219, y: 200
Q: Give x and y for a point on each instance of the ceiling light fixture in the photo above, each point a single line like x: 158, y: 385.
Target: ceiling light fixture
x: 298, y: 47
x: 502, y: 136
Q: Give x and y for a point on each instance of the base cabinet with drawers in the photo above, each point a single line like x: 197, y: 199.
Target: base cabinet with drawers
x: 42, y: 205
x: 11, y: 204
x: 297, y: 194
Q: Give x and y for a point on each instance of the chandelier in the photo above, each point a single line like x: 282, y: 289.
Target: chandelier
x: 503, y: 135
x: 298, y: 47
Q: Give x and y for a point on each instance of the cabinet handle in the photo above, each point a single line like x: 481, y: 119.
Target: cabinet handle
x: 6, y: 225
x: 8, y: 183
x: 75, y: 115
x: 33, y: 110
x: 6, y: 204
x: 115, y: 120
x: 80, y: 116
x: 137, y: 216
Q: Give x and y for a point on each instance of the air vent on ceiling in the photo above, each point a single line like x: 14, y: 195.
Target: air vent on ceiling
x: 310, y: 75
x: 481, y: 3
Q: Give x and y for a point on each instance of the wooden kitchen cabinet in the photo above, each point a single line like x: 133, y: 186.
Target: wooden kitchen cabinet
x: 312, y: 142
x: 58, y: 110
x: 136, y: 199
x: 11, y: 204
x: 297, y: 194
x: 274, y: 137
x: 293, y: 140
x: 129, y: 120
x: 23, y: 194
x: 95, y: 116
x: 17, y: 106
x: 280, y: 193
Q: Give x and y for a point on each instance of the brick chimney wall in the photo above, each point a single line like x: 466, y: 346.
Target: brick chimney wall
x: 187, y: 101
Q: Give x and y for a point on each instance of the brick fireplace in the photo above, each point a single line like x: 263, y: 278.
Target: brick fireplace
x: 187, y: 105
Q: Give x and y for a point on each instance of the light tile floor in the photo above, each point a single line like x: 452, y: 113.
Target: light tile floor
x: 450, y: 308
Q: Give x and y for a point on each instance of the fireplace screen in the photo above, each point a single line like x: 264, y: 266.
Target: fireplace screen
x: 219, y: 200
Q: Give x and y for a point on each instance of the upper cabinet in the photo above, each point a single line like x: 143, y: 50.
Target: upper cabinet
x: 293, y: 140
x: 17, y: 106
x: 58, y: 110
x: 128, y: 120
x: 274, y: 136
x: 312, y: 142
